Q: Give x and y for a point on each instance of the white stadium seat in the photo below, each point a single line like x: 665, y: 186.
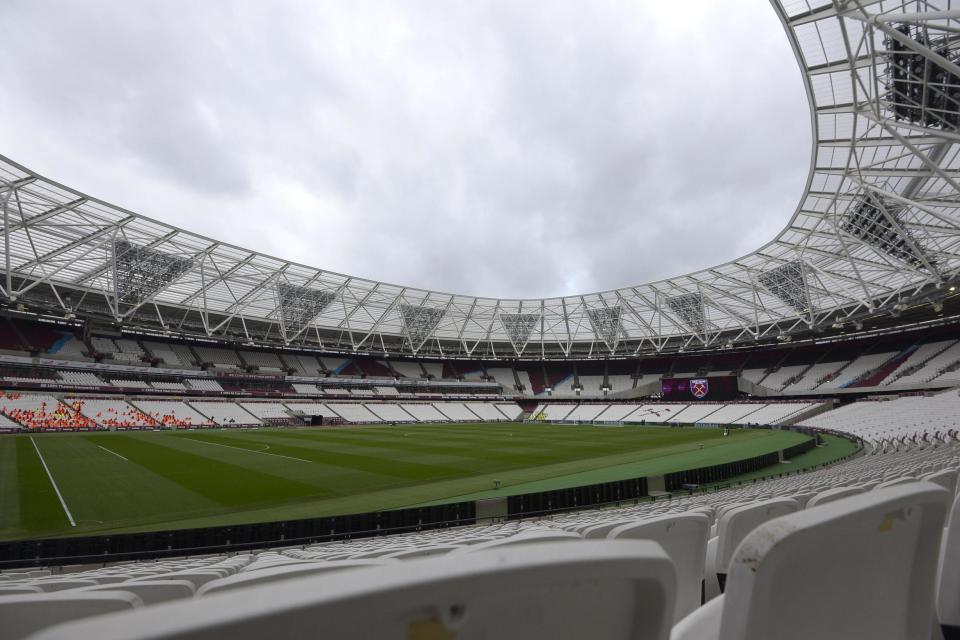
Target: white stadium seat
x: 948, y: 597
x: 732, y: 526
x: 837, y: 493
x: 21, y: 615
x: 684, y: 538
x: 862, y: 567
x: 606, y: 589
x: 149, y: 591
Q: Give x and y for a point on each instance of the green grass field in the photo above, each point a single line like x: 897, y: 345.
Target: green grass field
x: 140, y: 481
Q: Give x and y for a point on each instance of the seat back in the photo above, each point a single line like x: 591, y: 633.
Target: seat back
x: 861, y: 567
x: 275, y: 574
x: 734, y: 525
x: 684, y: 538
x: 946, y: 479
x: 423, y: 552
x: 600, y: 530
x: 25, y: 614
x: 150, y: 591
x: 522, y: 538
x: 50, y: 585
x: 837, y: 493
x: 611, y: 588
x: 948, y: 598
x: 895, y: 482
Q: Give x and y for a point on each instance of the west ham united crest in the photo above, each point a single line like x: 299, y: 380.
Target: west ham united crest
x: 699, y: 387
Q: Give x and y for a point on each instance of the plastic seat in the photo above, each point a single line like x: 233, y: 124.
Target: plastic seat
x: 830, y: 495
x: 895, y: 482
x: 946, y: 479
x: 948, y: 597
x: 150, y: 591
x: 26, y: 614
x: 684, y: 538
x: 49, y: 585
x: 274, y: 574
x: 861, y: 567
x: 197, y: 577
x: 599, y: 531
x: 522, y: 538
x: 18, y: 589
x: 732, y: 527
x: 548, y: 591
x: 422, y: 552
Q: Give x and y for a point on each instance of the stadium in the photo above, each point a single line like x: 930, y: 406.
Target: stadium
x: 199, y: 440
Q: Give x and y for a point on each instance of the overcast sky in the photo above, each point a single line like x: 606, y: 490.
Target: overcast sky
x: 495, y: 148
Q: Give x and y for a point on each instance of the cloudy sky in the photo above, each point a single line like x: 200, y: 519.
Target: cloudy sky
x: 499, y: 148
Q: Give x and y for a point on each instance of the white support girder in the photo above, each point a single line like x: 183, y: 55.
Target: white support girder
x: 828, y: 261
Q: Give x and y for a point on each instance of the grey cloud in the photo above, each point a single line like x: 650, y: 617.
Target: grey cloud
x: 494, y: 148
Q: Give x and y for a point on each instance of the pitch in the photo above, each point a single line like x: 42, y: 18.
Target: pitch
x: 88, y: 483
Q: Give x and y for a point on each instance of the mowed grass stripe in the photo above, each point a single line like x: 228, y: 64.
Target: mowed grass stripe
x: 368, y: 463
x: 225, y: 483
x: 102, y: 488
x: 256, y: 451
x: 53, y: 483
x: 39, y: 507
x: 9, y: 500
x: 420, y: 446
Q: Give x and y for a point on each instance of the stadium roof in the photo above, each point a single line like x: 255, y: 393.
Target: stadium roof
x: 877, y: 228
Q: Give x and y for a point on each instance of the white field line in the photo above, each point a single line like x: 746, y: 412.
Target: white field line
x: 114, y: 453
x: 55, y: 487
x: 262, y: 453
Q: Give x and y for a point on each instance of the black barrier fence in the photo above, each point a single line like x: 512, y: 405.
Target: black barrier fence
x: 547, y: 502
x: 798, y: 449
x: 718, y: 472
x: 159, y: 544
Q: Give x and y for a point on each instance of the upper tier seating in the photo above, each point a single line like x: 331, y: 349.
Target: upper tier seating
x: 334, y: 365
x: 434, y: 369
x: 173, y: 355
x: 263, y: 360
x: 81, y: 379
x: 620, y: 382
x: 591, y: 386
x: 931, y: 366
x: 168, y: 386
x: 503, y: 376
x: 119, y: 349
x: 407, y: 369
x: 203, y: 384
x: 305, y: 365
x: 219, y: 358
x: 855, y: 370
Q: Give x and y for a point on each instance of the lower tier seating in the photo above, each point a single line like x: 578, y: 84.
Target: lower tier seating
x: 865, y: 548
